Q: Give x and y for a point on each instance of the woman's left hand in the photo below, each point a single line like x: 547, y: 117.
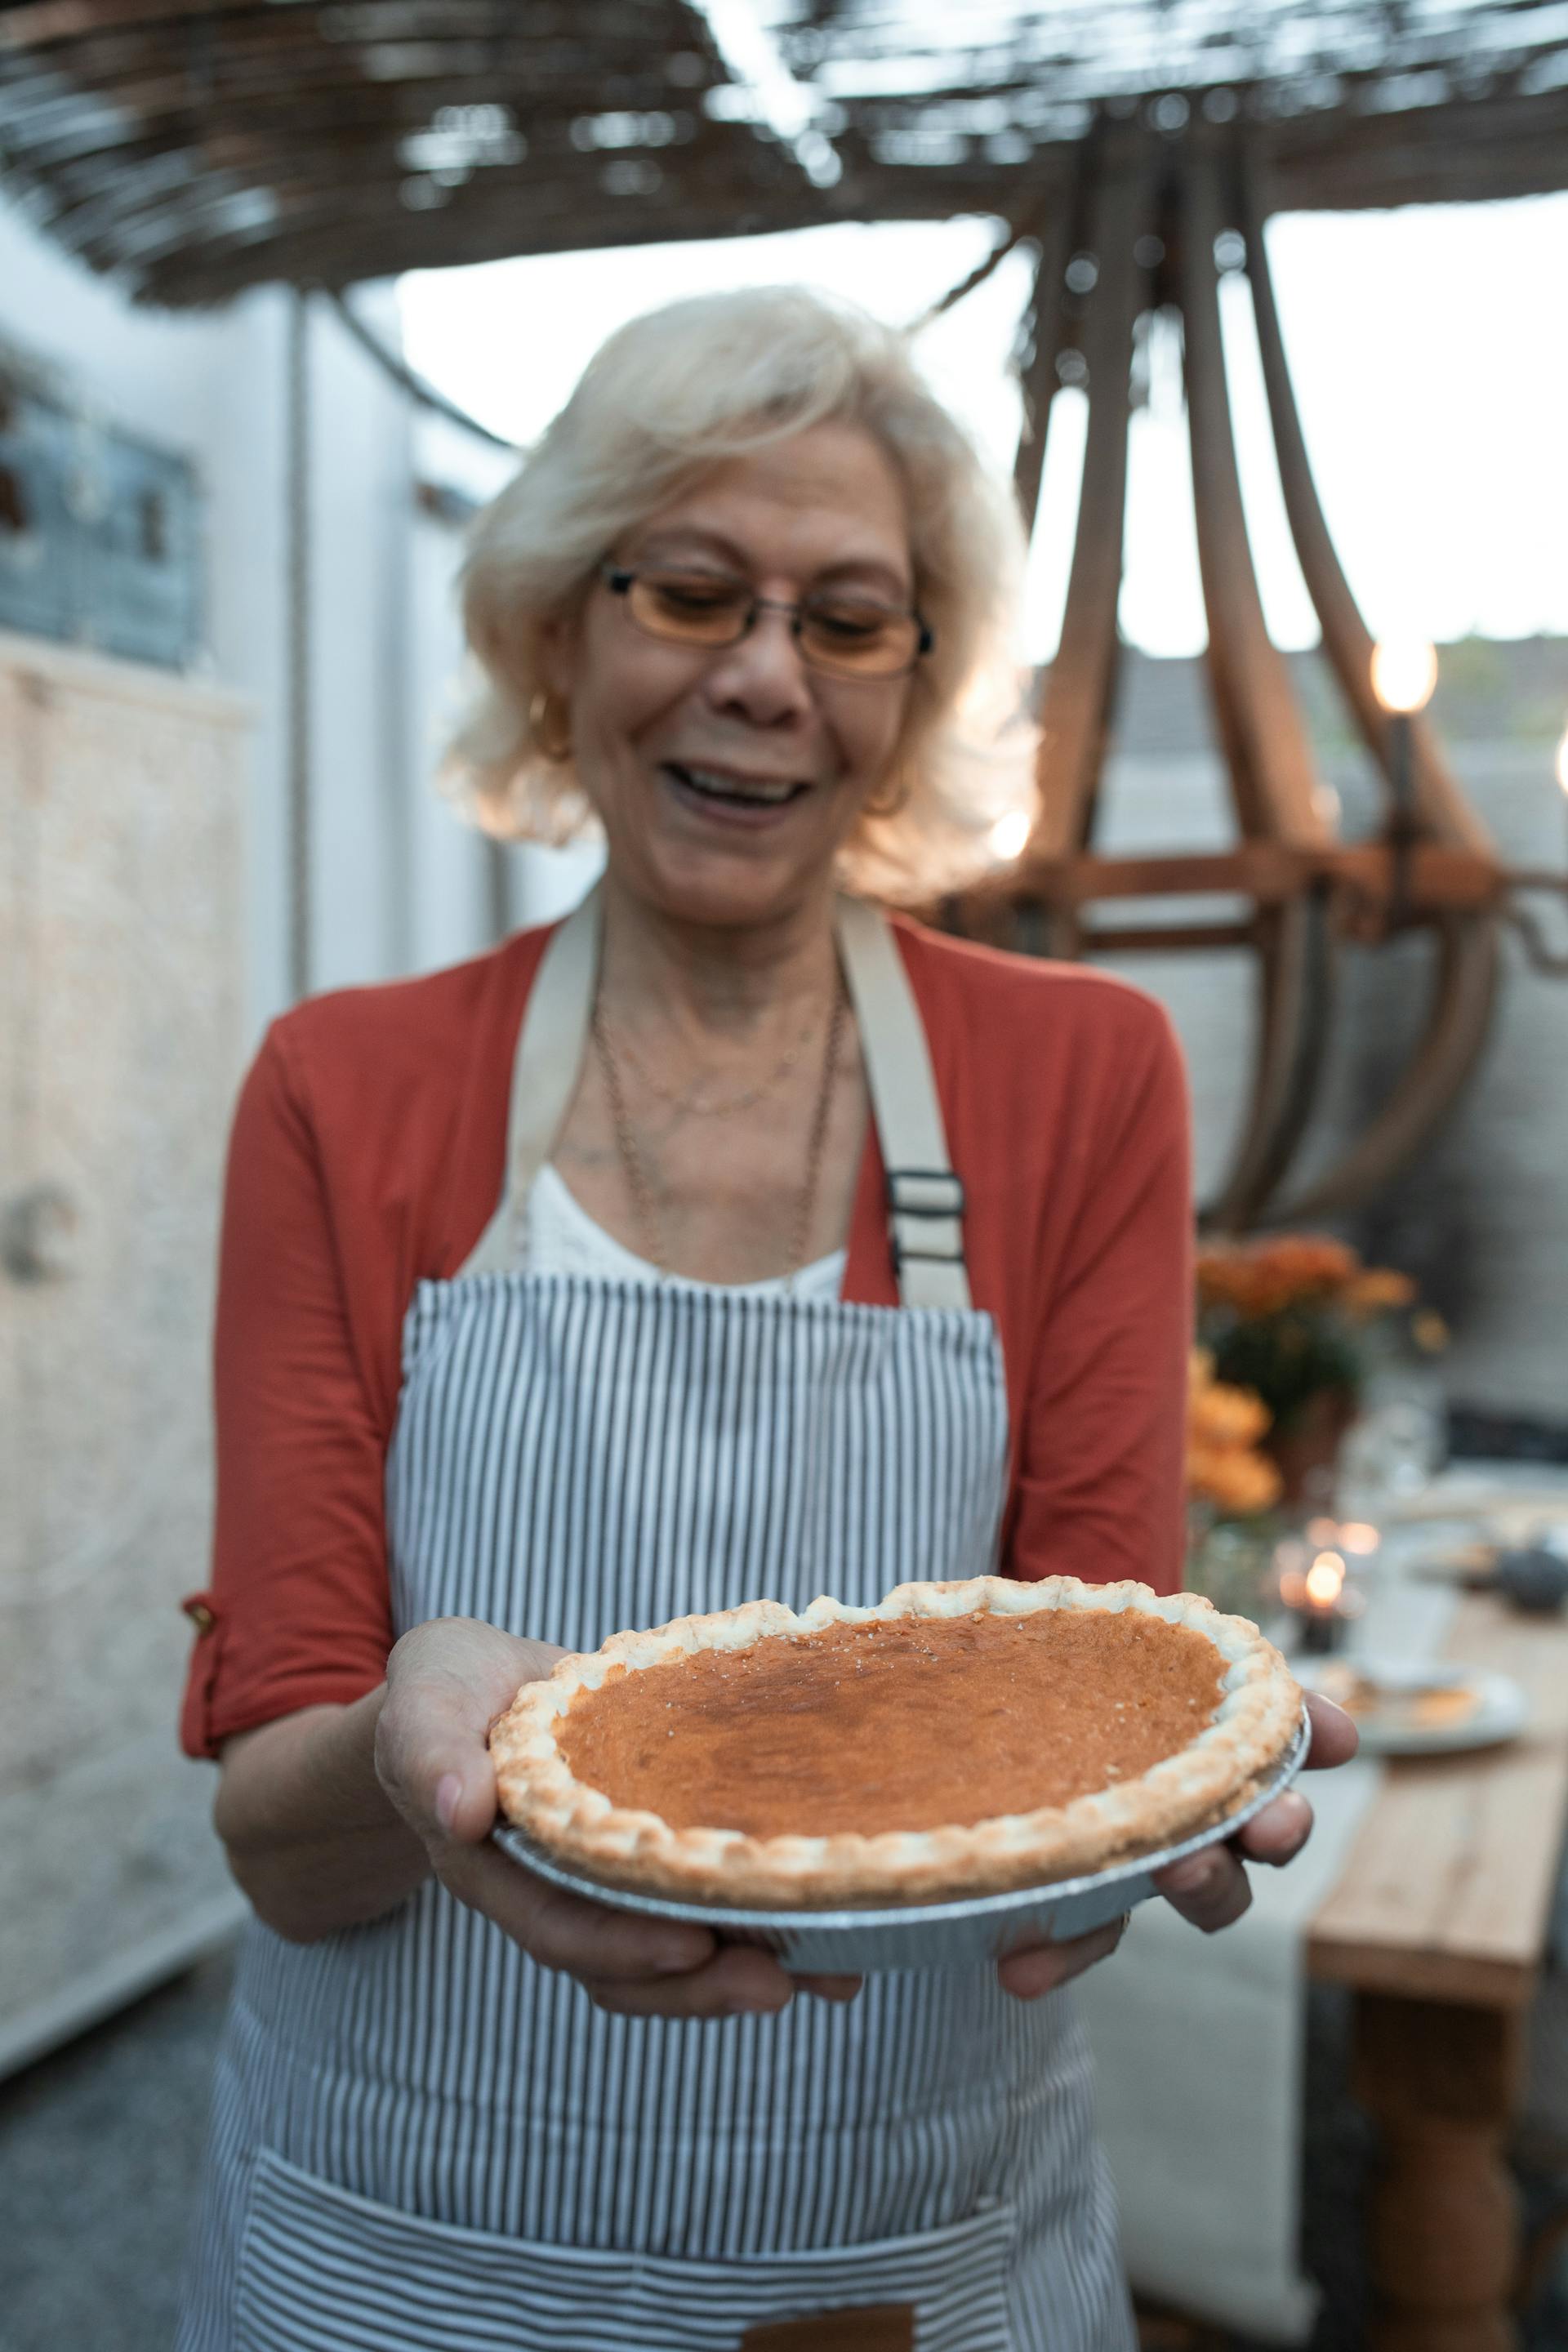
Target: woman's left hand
x: 1210, y: 1889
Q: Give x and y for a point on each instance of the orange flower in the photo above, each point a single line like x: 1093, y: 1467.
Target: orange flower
x: 1377, y: 1290
x: 1222, y: 1416
x: 1223, y: 1424
x: 1264, y: 1277
x: 1232, y: 1478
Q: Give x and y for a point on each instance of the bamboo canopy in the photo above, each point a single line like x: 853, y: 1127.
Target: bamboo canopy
x: 195, y: 149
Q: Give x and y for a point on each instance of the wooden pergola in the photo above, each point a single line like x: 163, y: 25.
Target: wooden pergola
x: 1136, y: 146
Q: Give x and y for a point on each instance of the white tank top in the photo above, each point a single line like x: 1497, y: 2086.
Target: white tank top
x: 560, y: 1237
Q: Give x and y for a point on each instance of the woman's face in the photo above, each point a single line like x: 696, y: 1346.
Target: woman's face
x: 726, y: 778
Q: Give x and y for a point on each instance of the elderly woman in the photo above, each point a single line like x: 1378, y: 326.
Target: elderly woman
x: 580, y: 1287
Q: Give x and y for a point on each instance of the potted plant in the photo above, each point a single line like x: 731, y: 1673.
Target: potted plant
x: 1291, y: 1318
x: 1231, y: 1485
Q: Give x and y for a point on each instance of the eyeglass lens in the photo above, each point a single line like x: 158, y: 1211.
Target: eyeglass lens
x: 852, y: 636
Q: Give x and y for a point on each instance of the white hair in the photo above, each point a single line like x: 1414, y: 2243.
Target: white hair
x: 667, y: 397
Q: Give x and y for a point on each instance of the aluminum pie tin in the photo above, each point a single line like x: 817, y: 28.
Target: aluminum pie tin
x: 954, y: 1935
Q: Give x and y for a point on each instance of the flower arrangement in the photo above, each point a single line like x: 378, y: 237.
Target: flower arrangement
x: 1228, y: 1473
x: 1232, y: 1486
x: 1291, y: 1318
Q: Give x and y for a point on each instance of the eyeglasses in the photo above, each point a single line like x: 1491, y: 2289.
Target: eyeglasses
x: 839, y: 633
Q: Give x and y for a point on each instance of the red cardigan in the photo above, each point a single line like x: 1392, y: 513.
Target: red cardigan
x: 367, y: 1153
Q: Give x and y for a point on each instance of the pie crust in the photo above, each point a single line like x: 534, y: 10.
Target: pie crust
x: 1121, y: 1671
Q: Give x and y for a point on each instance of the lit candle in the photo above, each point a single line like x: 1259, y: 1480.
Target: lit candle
x: 1318, y: 1594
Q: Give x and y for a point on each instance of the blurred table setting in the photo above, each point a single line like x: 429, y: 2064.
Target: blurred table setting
x: 1426, y: 1887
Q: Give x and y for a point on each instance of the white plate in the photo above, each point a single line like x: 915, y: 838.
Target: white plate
x: 1500, y: 1708
x: 924, y: 1935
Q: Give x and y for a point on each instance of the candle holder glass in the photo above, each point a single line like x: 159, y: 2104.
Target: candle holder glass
x: 1316, y: 1595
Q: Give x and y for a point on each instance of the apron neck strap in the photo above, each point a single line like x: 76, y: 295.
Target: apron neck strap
x: 551, y: 1044
x: 925, y: 1199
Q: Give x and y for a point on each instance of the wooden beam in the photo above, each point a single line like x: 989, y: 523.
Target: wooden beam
x: 1039, y: 382
x: 1166, y: 939
x: 1269, y: 873
x: 1297, y: 987
x: 1457, y: 1026
x: 1083, y: 678
x: 1347, y: 640
x: 1272, y: 765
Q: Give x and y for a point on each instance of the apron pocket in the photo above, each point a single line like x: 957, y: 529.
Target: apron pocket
x: 326, y: 2271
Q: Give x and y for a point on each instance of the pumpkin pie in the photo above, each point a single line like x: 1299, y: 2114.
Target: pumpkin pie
x: 957, y: 1739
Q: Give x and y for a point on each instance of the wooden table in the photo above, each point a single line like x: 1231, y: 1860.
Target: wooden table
x: 1439, y: 1924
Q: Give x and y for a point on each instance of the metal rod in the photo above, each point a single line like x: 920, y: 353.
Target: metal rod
x: 1402, y: 825
x: 403, y: 375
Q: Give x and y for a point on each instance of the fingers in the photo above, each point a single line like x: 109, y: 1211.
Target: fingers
x: 631, y: 1966
x: 1334, y: 1736
x: 447, y: 1681
x: 564, y: 1931
x: 1209, y: 1889
x: 736, y: 1982
x: 1044, y: 1966
x: 1277, y: 1833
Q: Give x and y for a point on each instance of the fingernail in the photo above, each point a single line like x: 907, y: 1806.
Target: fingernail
x: 1187, y: 1877
x: 448, y: 1797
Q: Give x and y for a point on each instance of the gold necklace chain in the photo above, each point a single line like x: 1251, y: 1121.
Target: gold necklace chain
x: 746, y: 1099
x: 644, y: 1209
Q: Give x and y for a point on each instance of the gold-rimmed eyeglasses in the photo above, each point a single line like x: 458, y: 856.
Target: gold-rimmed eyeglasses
x: 839, y: 632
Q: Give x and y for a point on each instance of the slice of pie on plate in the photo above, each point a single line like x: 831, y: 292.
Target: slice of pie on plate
x: 958, y: 1740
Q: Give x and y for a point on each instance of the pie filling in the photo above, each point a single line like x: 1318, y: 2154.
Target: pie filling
x: 906, y: 1723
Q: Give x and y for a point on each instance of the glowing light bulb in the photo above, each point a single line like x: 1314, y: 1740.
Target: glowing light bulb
x: 1404, y: 672
x: 1008, y: 834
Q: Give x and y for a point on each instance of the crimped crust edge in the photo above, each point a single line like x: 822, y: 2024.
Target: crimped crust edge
x: 1204, y: 1783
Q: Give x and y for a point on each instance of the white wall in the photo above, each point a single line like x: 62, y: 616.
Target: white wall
x: 398, y: 881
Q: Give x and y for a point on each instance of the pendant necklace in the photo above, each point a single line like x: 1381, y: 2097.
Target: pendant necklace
x: 644, y: 1209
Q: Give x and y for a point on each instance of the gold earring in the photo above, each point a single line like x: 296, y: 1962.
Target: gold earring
x: 538, y: 719
x: 891, y: 795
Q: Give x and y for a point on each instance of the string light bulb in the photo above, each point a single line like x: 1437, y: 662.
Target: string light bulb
x: 1007, y: 837
x: 1404, y: 673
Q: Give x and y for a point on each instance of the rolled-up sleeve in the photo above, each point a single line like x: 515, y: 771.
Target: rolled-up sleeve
x: 298, y: 1610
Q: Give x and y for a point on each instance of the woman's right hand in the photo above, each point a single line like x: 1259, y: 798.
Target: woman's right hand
x: 447, y: 1681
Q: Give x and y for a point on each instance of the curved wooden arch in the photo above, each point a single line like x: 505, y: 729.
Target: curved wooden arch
x: 1458, y: 1021
x: 1273, y: 775
x: 1441, y: 805
x: 1076, y: 711
x: 1297, y: 987
x: 1307, y: 891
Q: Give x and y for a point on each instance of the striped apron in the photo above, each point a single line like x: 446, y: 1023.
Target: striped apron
x: 422, y: 2139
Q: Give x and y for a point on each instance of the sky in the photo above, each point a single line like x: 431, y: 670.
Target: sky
x: 1429, y: 348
